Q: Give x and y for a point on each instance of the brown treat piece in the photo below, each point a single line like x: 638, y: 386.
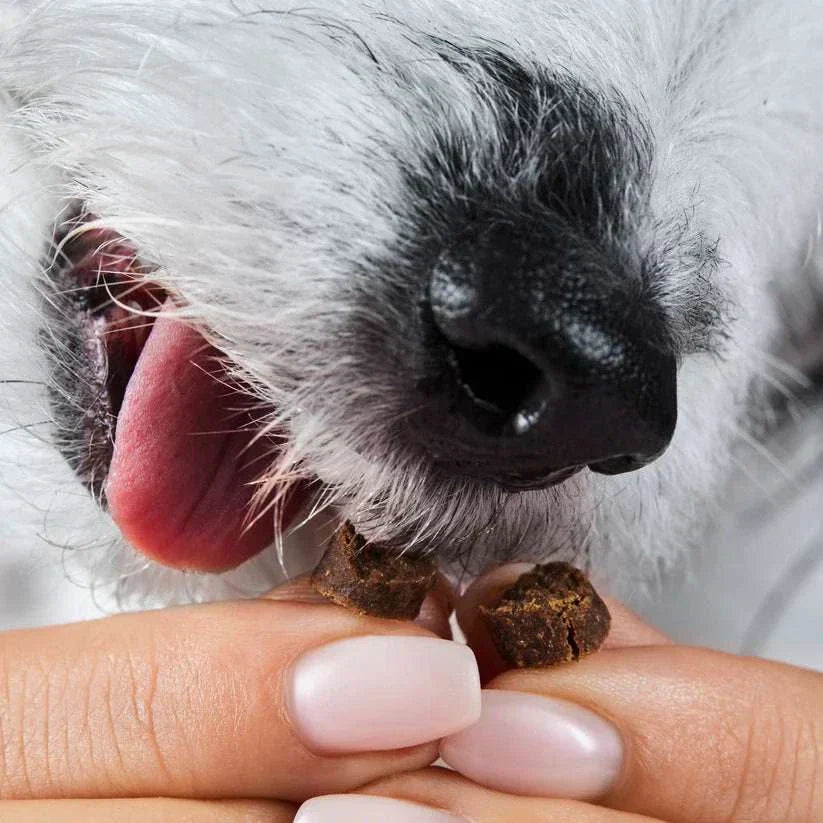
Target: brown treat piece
x: 550, y: 615
x: 372, y: 579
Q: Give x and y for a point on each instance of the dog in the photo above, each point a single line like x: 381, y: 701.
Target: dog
x: 499, y: 281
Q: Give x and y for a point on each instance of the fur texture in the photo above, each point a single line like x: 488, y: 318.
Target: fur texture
x: 281, y: 166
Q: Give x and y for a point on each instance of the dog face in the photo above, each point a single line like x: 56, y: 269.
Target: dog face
x: 501, y: 296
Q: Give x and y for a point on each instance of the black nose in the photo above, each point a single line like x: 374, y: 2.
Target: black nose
x: 554, y: 361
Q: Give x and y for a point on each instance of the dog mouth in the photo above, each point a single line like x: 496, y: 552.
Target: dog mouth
x: 147, y: 413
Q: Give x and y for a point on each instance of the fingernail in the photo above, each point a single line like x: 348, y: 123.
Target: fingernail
x: 527, y: 744
x: 376, y: 693
x: 356, y: 808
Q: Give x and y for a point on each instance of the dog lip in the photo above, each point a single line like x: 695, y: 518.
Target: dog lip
x: 514, y: 483
x: 144, y: 415
x: 478, y: 469
x: 99, y: 314
x: 620, y: 465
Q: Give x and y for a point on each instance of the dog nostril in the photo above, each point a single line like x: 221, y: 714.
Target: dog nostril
x: 543, y: 366
x: 502, y: 383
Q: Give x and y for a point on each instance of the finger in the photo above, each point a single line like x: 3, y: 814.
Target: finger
x: 437, y: 609
x: 686, y: 735
x: 627, y: 628
x: 250, y: 699
x: 439, y: 796
x: 144, y: 811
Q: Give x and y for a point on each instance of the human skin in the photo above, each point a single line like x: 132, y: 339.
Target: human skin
x: 707, y: 737
x: 196, y: 704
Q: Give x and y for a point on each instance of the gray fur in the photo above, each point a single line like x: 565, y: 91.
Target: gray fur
x: 279, y: 164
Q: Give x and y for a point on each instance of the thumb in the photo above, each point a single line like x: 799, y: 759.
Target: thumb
x: 680, y: 734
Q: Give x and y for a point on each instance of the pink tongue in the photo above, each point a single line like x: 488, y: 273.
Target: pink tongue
x: 182, y: 476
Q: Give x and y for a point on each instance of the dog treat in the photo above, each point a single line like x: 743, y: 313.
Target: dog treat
x: 373, y: 579
x: 550, y: 615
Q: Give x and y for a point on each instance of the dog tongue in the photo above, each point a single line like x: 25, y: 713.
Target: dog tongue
x: 182, y: 475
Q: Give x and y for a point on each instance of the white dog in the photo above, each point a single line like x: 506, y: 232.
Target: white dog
x: 452, y: 270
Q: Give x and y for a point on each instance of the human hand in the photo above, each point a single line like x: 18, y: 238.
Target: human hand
x: 278, y: 699
x: 645, y: 730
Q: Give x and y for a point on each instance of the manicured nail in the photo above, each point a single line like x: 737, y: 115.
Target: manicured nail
x: 527, y: 744
x: 357, y: 808
x: 385, y: 692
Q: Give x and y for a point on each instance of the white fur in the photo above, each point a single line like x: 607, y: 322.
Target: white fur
x: 251, y: 154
